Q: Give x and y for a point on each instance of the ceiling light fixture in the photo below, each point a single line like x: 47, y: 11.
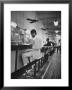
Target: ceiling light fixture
x: 55, y: 23
x: 56, y: 31
x: 57, y: 35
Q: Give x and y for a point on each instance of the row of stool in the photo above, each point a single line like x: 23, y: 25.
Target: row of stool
x: 32, y: 68
x: 35, y: 68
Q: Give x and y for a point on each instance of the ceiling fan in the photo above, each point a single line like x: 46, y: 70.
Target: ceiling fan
x: 44, y: 28
x: 32, y: 20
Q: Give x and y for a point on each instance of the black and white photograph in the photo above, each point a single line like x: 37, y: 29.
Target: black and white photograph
x: 36, y: 44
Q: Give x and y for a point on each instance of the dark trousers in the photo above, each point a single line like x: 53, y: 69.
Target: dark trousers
x: 57, y: 49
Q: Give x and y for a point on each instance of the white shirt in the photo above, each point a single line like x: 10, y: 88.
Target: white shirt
x: 37, y: 43
x: 36, y: 47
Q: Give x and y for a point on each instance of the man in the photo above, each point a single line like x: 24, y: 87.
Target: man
x: 36, y: 46
x: 59, y: 46
x: 48, y: 42
x: 45, y: 49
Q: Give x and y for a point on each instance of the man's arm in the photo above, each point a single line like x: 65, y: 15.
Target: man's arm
x: 31, y: 41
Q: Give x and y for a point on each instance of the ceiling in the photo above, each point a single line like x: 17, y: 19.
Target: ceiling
x: 48, y: 18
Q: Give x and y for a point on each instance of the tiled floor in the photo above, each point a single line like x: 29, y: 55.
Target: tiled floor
x: 53, y: 70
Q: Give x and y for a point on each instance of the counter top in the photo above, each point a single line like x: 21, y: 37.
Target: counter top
x: 20, y: 47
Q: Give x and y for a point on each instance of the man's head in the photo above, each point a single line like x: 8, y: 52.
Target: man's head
x: 59, y: 40
x: 33, y: 33
x: 47, y: 39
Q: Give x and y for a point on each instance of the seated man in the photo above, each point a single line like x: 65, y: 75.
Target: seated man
x: 48, y: 42
x: 45, y: 49
x: 36, y: 46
